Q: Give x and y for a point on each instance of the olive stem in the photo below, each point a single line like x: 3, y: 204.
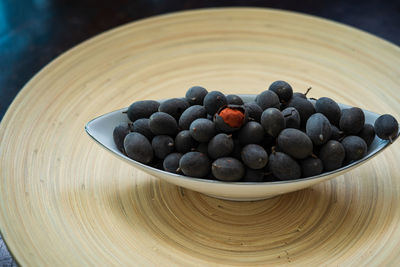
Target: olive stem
x: 308, y: 90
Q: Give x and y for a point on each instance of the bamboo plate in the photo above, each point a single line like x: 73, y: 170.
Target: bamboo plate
x: 66, y: 201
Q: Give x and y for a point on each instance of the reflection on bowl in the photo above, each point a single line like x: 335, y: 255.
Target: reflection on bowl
x: 101, y: 129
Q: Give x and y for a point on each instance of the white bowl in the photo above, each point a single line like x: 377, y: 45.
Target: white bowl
x: 101, y: 130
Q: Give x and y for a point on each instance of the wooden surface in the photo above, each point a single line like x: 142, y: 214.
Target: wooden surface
x: 66, y: 201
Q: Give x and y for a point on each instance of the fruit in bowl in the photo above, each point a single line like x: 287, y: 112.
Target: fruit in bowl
x: 277, y: 140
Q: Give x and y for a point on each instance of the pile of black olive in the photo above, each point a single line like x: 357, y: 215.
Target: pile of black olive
x: 280, y: 135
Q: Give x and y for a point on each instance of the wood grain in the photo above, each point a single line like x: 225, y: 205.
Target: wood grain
x: 67, y: 202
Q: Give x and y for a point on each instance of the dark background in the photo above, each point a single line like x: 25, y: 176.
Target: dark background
x: 34, y: 32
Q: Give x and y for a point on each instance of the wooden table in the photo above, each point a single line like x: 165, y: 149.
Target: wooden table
x: 66, y: 201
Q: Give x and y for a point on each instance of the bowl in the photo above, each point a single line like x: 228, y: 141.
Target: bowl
x: 101, y: 130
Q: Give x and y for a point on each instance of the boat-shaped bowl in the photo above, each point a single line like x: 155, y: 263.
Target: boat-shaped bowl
x: 101, y: 130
